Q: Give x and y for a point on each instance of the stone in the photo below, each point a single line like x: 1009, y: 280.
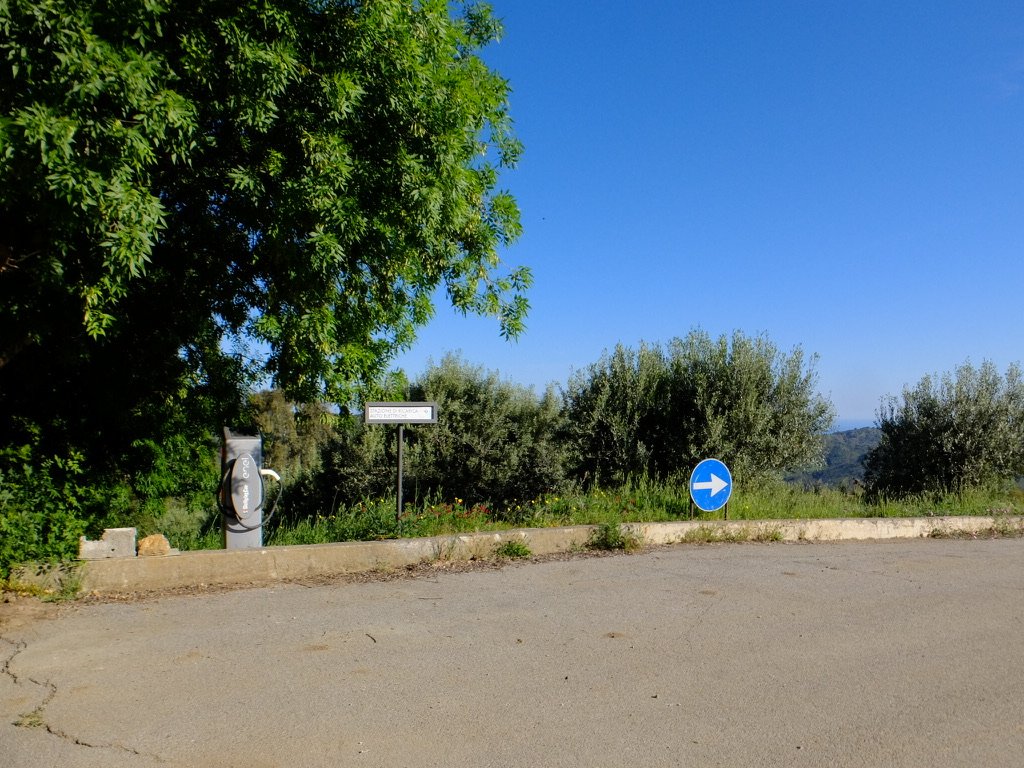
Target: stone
x: 115, y: 542
x: 154, y: 546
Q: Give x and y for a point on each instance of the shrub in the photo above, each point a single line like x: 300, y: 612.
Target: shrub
x: 41, y: 508
x: 609, y: 536
x: 355, y: 464
x: 494, y: 441
x: 513, y: 549
x: 656, y: 412
x: 949, y: 434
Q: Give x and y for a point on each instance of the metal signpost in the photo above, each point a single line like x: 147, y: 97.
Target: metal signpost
x: 400, y: 414
x: 711, y: 486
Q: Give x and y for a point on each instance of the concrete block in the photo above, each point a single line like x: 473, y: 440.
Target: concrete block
x: 115, y: 542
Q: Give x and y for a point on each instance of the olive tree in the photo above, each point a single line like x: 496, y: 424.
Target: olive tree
x: 616, y: 417
x: 657, y: 411
x: 494, y: 441
x: 949, y: 433
x: 746, y: 402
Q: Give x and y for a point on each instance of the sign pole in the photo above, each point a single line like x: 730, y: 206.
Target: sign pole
x: 398, y: 512
x: 400, y: 413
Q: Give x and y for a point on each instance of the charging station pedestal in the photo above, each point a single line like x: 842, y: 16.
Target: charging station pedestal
x: 241, y: 491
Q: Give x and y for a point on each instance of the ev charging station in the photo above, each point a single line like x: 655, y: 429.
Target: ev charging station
x: 242, y: 492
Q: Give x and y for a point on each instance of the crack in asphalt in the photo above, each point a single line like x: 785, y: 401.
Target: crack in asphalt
x: 18, y: 648
x: 27, y: 719
x: 33, y: 718
x: 697, y: 621
x: 36, y: 719
x: 111, y: 745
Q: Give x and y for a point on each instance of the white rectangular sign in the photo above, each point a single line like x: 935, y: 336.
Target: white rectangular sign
x: 400, y: 413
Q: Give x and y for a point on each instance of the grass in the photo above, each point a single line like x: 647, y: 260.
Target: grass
x: 33, y: 719
x: 644, y: 501
x: 611, y: 536
x: 787, y: 502
x: 1002, y: 528
x: 610, y: 511
x: 706, y: 534
x: 50, y: 582
x: 513, y: 549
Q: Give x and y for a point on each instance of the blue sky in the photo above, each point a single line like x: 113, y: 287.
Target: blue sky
x: 846, y: 177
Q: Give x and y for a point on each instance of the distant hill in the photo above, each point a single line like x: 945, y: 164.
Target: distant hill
x: 844, y: 457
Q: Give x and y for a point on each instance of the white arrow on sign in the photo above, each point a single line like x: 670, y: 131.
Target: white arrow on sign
x: 715, y: 484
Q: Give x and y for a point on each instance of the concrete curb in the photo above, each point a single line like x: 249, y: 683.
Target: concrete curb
x: 275, y: 564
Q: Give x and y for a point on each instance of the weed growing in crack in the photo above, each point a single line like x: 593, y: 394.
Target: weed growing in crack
x: 610, y: 536
x: 33, y: 719
x: 707, y: 534
x: 513, y: 549
x: 1001, y: 528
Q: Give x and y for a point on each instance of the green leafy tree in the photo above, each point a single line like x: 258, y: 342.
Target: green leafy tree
x: 356, y: 464
x: 950, y: 433
x: 195, y: 196
x: 40, y: 508
x: 657, y: 412
x: 616, y: 417
x: 293, y: 433
x: 494, y: 441
x: 745, y: 401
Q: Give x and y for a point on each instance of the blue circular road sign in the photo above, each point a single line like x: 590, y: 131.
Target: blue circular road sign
x: 710, y: 485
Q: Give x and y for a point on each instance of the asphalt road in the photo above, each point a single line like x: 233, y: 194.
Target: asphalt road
x: 907, y: 653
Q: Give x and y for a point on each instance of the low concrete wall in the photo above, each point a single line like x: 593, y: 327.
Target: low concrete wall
x: 267, y: 565
x: 270, y: 564
x: 842, y: 529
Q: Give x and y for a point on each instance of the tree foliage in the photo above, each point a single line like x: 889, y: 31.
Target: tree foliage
x: 293, y: 433
x: 196, y: 196
x: 950, y: 433
x: 614, y: 412
x: 494, y: 441
x: 657, y: 411
x: 355, y: 464
x: 183, y: 182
